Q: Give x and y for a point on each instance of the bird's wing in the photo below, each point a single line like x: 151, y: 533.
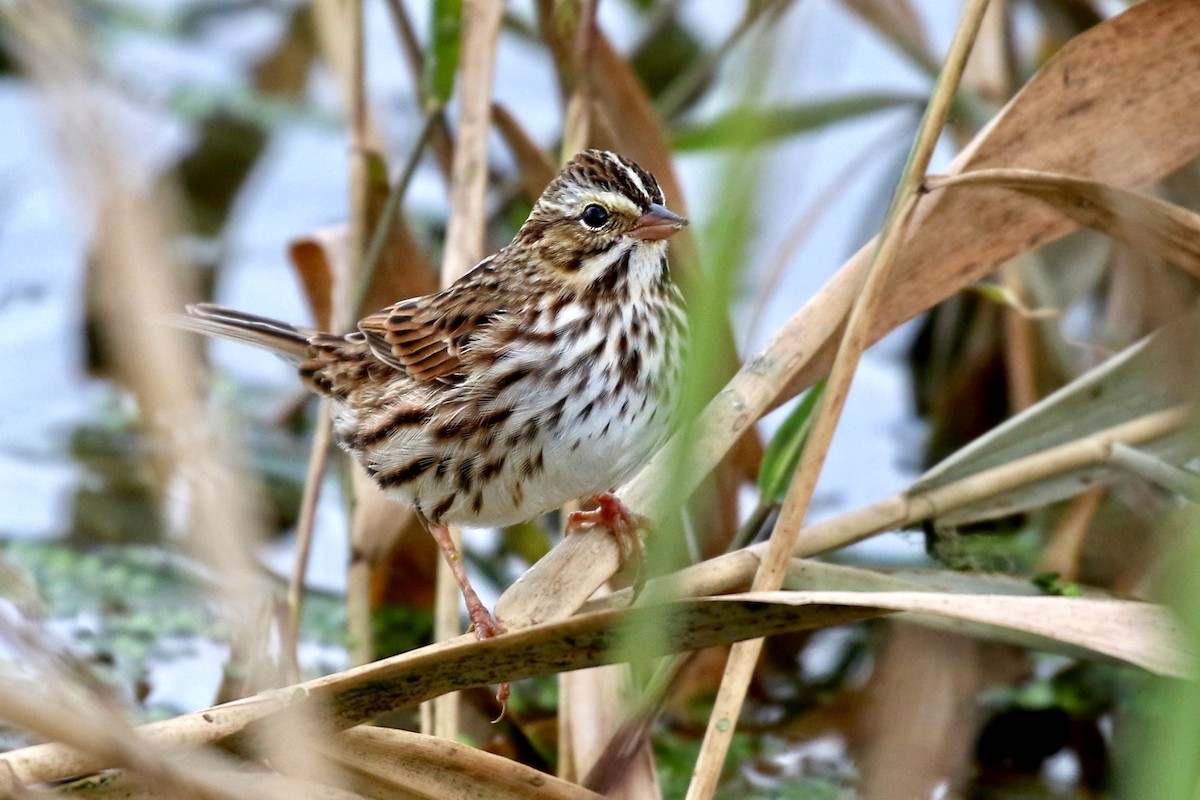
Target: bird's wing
x: 428, y: 336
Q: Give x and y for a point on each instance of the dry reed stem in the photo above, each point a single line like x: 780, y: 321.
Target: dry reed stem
x: 464, y: 248
x: 138, y: 293
x: 771, y: 571
x: 137, y: 287
x: 358, y: 572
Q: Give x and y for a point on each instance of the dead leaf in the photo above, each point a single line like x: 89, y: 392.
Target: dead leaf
x: 1139, y: 220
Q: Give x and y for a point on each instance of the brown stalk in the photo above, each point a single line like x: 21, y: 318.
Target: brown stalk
x: 577, y: 127
x: 358, y: 576
x: 464, y: 248
x: 770, y: 574
x: 136, y: 280
x: 137, y: 289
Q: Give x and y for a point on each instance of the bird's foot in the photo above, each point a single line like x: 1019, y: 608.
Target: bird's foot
x: 484, y: 623
x: 625, y: 526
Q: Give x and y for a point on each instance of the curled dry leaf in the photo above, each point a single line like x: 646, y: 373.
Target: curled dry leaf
x: 1139, y: 220
x: 1116, y: 105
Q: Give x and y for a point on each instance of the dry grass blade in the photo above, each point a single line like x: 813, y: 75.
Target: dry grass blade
x: 125, y: 786
x: 136, y: 289
x: 464, y: 246
x: 1138, y: 220
x: 432, y: 767
x: 363, y: 693
x: 468, y: 187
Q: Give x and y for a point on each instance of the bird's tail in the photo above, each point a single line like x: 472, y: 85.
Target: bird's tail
x: 288, y: 341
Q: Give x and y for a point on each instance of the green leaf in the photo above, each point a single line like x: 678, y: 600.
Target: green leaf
x: 445, y: 38
x: 783, y: 453
x: 746, y: 127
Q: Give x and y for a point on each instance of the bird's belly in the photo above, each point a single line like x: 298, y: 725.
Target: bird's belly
x: 533, y: 462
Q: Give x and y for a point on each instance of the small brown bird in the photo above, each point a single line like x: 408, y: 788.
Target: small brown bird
x: 547, y: 373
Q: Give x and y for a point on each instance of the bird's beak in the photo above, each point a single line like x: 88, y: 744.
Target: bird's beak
x: 657, y: 223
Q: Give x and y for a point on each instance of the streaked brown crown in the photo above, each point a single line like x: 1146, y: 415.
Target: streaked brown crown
x: 603, y: 171
x: 430, y: 337
x: 557, y: 234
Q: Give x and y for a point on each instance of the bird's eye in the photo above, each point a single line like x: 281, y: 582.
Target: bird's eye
x: 594, y: 216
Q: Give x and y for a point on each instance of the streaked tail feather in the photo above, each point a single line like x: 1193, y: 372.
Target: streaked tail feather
x: 287, y: 341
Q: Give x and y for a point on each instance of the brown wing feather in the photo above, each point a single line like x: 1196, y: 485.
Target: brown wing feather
x: 426, y: 336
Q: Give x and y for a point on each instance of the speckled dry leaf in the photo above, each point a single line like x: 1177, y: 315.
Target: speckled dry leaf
x: 409, y: 764
x: 1143, y: 222
x: 361, y: 694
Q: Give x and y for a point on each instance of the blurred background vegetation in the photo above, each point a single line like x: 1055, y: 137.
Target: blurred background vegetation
x: 780, y: 127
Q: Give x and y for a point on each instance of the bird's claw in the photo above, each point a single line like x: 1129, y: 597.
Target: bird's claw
x: 625, y: 526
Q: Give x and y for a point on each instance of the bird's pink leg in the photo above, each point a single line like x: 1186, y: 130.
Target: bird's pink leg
x: 485, y: 625
x: 623, y: 524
